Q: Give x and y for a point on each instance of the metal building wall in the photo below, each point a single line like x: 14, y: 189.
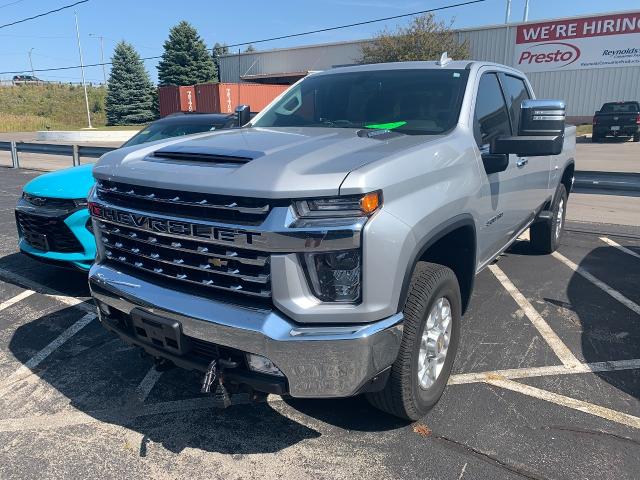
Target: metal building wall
x: 583, y: 90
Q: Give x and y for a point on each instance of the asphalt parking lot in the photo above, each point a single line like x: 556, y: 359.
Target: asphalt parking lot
x: 546, y: 384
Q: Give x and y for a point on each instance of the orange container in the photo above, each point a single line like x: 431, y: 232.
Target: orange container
x: 225, y: 97
x: 168, y: 100
x: 188, y: 99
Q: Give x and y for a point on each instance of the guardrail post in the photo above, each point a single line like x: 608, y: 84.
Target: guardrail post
x: 15, y: 162
x: 76, y: 156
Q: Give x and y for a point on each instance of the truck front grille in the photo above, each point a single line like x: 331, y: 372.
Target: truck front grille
x: 214, y: 208
x: 188, y: 261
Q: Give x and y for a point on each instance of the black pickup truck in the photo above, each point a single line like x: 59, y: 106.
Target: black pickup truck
x: 617, y: 119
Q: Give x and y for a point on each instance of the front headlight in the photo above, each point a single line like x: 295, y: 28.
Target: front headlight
x: 338, y: 207
x: 335, y: 276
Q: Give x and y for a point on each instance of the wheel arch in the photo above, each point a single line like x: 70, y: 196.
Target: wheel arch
x: 437, y: 246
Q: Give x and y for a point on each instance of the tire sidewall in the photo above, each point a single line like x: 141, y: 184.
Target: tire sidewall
x: 425, y: 399
x: 561, y: 194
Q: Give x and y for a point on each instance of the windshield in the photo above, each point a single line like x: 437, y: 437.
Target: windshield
x: 415, y: 102
x: 620, y: 107
x: 159, y: 131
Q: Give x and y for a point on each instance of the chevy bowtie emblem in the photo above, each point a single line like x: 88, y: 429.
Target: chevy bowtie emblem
x: 218, y: 262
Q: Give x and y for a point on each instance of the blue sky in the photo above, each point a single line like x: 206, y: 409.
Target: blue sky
x: 145, y: 24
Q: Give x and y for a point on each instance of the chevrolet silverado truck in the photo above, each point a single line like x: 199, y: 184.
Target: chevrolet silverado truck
x: 329, y: 247
x: 617, y: 119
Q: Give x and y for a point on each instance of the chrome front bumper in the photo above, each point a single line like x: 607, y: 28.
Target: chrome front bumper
x: 318, y: 361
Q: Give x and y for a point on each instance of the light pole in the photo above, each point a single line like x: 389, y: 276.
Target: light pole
x: 31, y: 63
x: 104, y: 72
x: 525, y: 17
x: 508, y: 13
x: 84, y: 84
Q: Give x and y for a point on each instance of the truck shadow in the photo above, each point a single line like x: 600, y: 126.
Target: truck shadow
x: 97, y: 374
x: 608, y: 330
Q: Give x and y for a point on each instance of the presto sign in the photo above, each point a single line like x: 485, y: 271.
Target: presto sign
x: 592, y: 42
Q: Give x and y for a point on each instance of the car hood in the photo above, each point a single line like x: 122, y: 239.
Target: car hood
x: 72, y: 182
x: 286, y: 162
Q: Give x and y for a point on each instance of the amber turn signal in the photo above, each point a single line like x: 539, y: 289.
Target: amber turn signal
x: 370, y: 203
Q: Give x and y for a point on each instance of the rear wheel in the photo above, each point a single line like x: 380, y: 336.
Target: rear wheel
x: 545, y: 235
x: 429, y: 343
x: 636, y: 137
x: 595, y: 138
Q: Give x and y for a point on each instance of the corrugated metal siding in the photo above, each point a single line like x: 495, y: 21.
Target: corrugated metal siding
x: 583, y: 90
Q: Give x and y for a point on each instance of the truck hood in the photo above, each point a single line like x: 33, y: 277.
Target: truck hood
x: 283, y: 162
x: 72, y: 182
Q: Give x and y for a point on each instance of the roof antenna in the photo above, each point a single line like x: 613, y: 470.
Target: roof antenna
x: 444, y: 59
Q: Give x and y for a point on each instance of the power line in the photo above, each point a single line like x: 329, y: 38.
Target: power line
x: 43, y: 14
x: 471, y: 2
x: 367, y: 22
x: 11, y: 3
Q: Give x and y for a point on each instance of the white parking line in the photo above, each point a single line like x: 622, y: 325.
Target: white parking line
x: 598, y: 283
x: 595, y: 367
x: 610, y: 242
x: 146, y: 385
x: 582, y: 406
x: 560, y: 349
x: 46, y: 291
x: 25, y: 370
x: 16, y: 299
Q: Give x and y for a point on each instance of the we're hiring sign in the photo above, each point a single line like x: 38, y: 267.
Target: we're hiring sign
x: 592, y: 42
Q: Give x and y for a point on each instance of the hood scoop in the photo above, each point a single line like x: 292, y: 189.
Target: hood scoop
x: 204, y: 155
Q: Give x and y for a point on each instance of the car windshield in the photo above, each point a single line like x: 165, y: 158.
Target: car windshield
x: 411, y: 101
x: 161, y: 130
x: 620, y: 107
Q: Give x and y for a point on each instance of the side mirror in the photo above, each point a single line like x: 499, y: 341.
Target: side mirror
x: 243, y: 115
x: 541, y: 130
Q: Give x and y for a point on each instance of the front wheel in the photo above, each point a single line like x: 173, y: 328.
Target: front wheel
x: 429, y: 343
x: 545, y: 235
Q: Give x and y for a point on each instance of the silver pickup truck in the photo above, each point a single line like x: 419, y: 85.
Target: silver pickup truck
x: 329, y: 246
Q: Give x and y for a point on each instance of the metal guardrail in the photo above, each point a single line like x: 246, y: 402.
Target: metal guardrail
x: 74, y: 151
x: 584, y: 180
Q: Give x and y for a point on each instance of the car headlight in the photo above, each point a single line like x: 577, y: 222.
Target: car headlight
x: 334, y: 276
x: 337, y: 207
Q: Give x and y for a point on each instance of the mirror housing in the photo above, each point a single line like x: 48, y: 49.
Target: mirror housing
x: 541, y: 130
x: 243, y: 115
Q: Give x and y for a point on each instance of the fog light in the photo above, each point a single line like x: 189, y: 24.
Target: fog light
x: 335, y: 276
x: 261, y: 364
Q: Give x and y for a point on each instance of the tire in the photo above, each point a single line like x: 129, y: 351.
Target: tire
x: 403, y: 395
x: 636, y: 137
x: 545, y: 235
x: 595, y: 139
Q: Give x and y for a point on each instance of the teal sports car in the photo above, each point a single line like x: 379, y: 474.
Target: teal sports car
x: 52, y: 217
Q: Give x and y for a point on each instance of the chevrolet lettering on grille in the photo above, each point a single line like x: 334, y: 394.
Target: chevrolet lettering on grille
x: 175, y: 227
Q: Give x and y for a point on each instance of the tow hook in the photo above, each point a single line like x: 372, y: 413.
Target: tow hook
x: 215, y: 374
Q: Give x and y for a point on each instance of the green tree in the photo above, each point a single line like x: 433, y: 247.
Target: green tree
x: 250, y: 48
x: 423, y: 39
x: 130, y: 93
x: 186, y: 60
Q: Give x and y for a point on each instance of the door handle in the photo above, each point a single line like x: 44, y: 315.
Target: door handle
x: 522, y: 162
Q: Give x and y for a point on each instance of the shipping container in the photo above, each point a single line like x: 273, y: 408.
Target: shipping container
x: 168, y: 100
x: 216, y: 97
x: 188, y: 101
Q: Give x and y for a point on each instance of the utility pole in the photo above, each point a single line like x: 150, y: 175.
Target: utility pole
x: 508, y: 13
x: 525, y: 17
x: 84, y: 84
x: 31, y: 63
x: 104, y: 72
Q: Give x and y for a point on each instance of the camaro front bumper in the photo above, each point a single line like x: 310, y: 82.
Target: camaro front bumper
x: 75, y: 223
x: 316, y: 360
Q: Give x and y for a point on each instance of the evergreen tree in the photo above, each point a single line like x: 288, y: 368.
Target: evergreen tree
x: 130, y: 93
x: 250, y: 48
x: 185, y: 60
